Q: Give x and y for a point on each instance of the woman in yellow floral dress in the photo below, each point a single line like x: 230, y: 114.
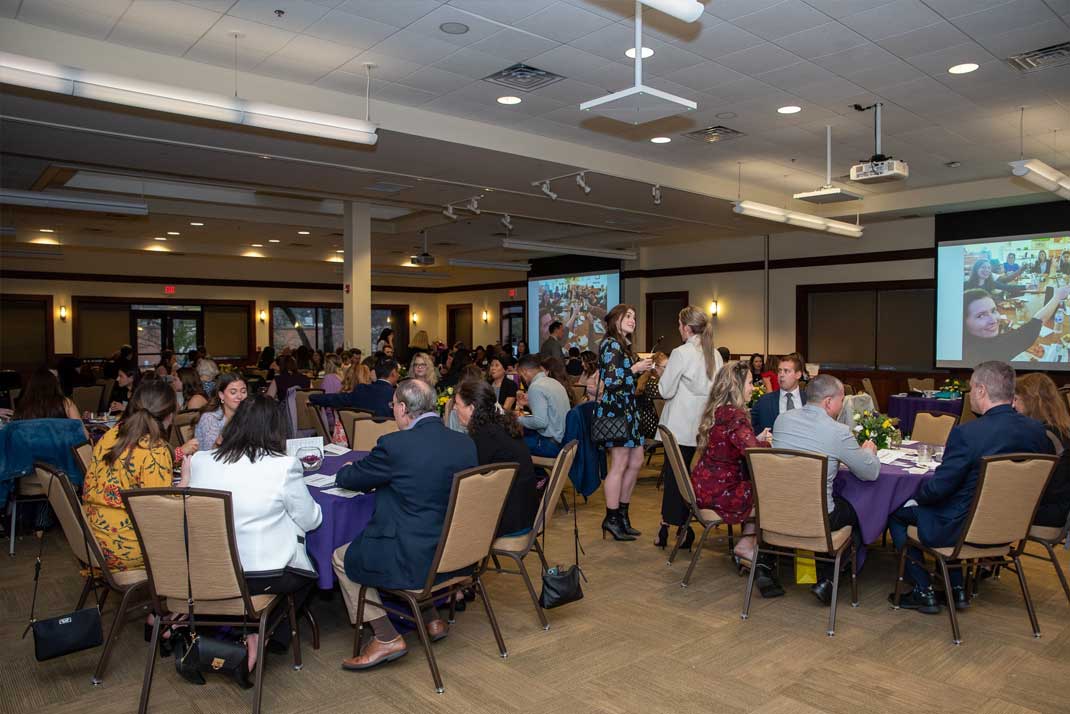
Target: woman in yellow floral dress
x: 133, y: 454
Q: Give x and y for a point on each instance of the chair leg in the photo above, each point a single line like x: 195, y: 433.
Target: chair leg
x: 564, y: 501
x: 897, y: 587
x: 113, y: 632
x: 295, y: 632
x: 425, y: 640
x: 1025, y: 594
x: 1058, y: 570
x: 86, y: 589
x: 680, y: 535
x: 359, y: 632
x: 854, y: 576
x: 315, y: 628
x: 150, y: 664
x: 750, y: 585
x: 494, y: 558
x: 694, y: 558
x: 955, y: 636
x: 13, y: 507
x: 531, y: 591
x: 493, y: 620
x: 831, y: 631
x: 452, y: 616
x: 542, y: 556
x: 258, y: 690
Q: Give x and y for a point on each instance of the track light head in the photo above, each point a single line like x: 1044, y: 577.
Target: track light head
x: 473, y: 205
x: 546, y: 190
x: 507, y: 222
x: 655, y: 191
x: 581, y: 181
x: 448, y: 213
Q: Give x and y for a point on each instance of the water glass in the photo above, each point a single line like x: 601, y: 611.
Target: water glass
x: 311, y: 457
x: 895, y: 439
x: 925, y: 454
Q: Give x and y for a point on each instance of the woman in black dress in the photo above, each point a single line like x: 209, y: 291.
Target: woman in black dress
x: 621, y: 368
x: 504, y: 388
x: 1036, y: 396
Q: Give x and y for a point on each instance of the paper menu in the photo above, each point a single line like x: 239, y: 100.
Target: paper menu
x: 292, y: 445
x: 335, y: 449
x: 343, y: 492
x: 887, y: 456
x: 319, y: 480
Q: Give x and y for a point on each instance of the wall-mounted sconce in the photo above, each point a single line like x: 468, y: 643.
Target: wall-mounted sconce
x: 263, y: 316
x: 713, y: 308
x: 63, y: 312
x: 297, y: 325
x: 486, y: 316
x: 414, y: 318
x: 388, y: 320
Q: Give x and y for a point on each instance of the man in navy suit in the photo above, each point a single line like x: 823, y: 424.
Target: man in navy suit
x: 412, y: 473
x: 940, y: 507
x: 788, y: 397
x: 374, y: 397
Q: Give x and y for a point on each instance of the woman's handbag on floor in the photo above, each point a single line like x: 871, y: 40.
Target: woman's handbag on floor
x: 560, y: 586
x: 69, y: 633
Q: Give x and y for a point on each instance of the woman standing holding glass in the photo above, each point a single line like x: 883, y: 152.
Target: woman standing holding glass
x: 620, y: 368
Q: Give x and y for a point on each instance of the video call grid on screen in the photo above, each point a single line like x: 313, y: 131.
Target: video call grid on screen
x: 1007, y: 317
x: 579, y: 302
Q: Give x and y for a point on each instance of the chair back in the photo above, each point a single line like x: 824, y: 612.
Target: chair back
x: 933, y: 427
x: 215, y: 570
x: 348, y: 416
x: 867, y: 385
x: 71, y: 516
x: 105, y: 398
x: 320, y: 422
x: 967, y: 413
x: 187, y: 418
x: 680, y: 471
x: 317, y: 383
x: 1008, y: 492
x: 366, y: 432
x: 855, y: 404
x: 83, y: 456
x: 848, y: 389
x: 477, y: 500
x: 554, y: 487
x: 921, y: 385
x: 789, y: 497
x: 1056, y: 442
x: 87, y: 399
x: 579, y: 393
x: 304, y: 416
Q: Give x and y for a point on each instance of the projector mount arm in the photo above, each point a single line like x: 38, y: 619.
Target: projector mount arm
x: 877, y: 155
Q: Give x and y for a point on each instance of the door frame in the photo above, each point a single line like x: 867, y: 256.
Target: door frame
x: 50, y: 331
x: 165, y: 317
x: 523, y: 305
x: 449, y: 326
x: 650, y: 298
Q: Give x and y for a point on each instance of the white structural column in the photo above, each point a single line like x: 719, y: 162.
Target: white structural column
x: 357, y: 276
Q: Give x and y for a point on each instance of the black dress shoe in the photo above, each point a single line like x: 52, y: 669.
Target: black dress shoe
x: 961, y: 600
x: 924, y: 602
x: 822, y: 590
x: 768, y: 586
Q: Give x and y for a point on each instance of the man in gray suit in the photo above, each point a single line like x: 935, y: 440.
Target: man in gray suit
x: 552, y: 346
x: 814, y: 428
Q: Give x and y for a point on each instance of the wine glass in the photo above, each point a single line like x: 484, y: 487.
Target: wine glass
x: 311, y: 457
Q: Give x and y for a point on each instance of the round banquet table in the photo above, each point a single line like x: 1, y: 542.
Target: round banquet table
x: 906, y: 408
x: 343, y: 519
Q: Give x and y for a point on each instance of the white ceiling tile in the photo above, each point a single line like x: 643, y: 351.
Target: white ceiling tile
x: 955, y: 8
x: 9, y: 8
x: 387, y: 68
x: 667, y: 58
x: 1023, y: 39
x: 612, y: 9
x: 611, y: 75
x: 478, y: 28
x: 718, y: 39
x: 563, y: 22
x: 255, y: 37
x: 795, y: 75
x: 472, y: 63
x: 514, y: 45
x: 919, y: 95
x: 894, y: 18
x: 925, y: 39
x: 821, y: 40
x: 414, y: 47
x: 507, y: 12
x: 743, y: 90
x: 220, y: 6
x: 349, y: 29
x: 80, y: 17
x: 731, y: 9
x: 855, y: 60
x: 345, y: 82
x: 937, y: 63
x: 762, y: 58
x: 162, y: 26
x: 307, y: 59
x: 832, y: 91
x: 784, y: 18
x: 436, y: 81
x: 1003, y: 18
x: 569, y: 91
x: 609, y: 42
x: 399, y: 94
x: 842, y: 8
x: 392, y: 12
x: 703, y: 76
x: 297, y: 14
x: 892, y: 72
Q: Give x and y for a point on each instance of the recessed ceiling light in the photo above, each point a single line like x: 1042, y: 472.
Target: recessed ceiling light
x: 453, y: 28
x: 339, y: 251
x: 195, y: 223
x: 256, y: 245
x: 303, y: 233
x: 630, y: 52
x: 790, y: 109
x: 509, y: 100
x: 273, y: 240
x: 173, y: 233
x: 159, y: 238
x: 964, y: 68
x: 660, y: 140
x: 46, y: 230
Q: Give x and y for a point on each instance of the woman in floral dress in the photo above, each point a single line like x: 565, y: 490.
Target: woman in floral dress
x: 620, y: 369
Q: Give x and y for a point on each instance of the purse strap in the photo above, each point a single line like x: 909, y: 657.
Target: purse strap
x: 575, y: 526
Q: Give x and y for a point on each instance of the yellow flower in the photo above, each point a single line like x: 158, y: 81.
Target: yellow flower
x: 887, y: 423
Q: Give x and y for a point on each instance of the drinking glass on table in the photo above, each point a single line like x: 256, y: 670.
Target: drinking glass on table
x: 925, y: 454
x: 895, y: 439
x: 311, y: 457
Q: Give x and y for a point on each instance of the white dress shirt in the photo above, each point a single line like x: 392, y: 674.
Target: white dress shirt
x: 796, y: 399
x: 685, y: 387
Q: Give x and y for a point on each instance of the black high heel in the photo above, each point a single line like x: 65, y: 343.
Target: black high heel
x: 689, y: 539
x: 626, y: 521
x: 612, y: 524
x: 663, y: 536
x: 167, y: 647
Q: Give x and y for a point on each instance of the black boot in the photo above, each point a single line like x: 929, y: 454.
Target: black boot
x: 627, y: 521
x: 614, y: 526
x: 663, y: 537
x: 689, y: 538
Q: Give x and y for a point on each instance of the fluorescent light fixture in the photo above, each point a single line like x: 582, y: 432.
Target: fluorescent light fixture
x: 630, y: 53
x: 964, y: 68
x: 252, y: 254
x: 160, y: 238
x: 46, y: 230
x: 795, y: 218
x: 50, y: 77
x: 660, y: 140
x: 449, y: 213
x: 1046, y: 177
x: 473, y: 205
x: 173, y: 233
x: 560, y: 248
x: 195, y: 223
x: 488, y: 264
x: 685, y: 10
x: 303, y: 233
x: 790, y: 109
x: 655, y: 192
x: 335, y: 259
x: 67, y: 202
x: 274, y: 240
x: 509, y: 100
x: 256, y: 245
x: 158, y: 249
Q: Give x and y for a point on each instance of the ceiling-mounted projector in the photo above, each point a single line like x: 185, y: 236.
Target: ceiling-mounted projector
x: 827, y: 193
x: 425, y: 258
x: 879, y: 168
x: 639, y: 103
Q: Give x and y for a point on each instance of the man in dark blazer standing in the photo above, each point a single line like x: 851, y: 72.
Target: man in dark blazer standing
x: 940, y: 507
x: 411, y: 472
x: 374, y: 397
x: 788, y: 397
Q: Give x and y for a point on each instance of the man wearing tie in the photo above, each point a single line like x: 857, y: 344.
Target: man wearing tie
x: 788, y: 397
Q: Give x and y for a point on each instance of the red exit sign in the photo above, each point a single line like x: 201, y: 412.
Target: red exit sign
x: 512, y: 292
x: 168, y: 289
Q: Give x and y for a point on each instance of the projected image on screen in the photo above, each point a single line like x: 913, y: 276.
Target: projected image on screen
x: 579, y: 302
x: 1004, y: 299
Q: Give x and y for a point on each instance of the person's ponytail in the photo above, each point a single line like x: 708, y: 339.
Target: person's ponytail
x: 701, y: 325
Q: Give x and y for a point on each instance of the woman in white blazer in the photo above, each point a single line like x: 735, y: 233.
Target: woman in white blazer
x: 272, y: 506
x: 685, y: 386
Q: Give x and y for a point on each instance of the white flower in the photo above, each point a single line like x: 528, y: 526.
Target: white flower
x: 857, y: 417
x: 859, y: 427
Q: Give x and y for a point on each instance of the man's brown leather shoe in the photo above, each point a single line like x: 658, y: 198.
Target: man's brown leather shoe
x: 437, y: 630
x: 376, y: 653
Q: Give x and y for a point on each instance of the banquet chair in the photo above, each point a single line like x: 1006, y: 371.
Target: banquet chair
x: 933, y: 427
x: 365, y: 433
x: 966, y: 415
x: 1050, y: 537
x: 220, y: 595
x: 579, y: 393
x: 108, y: 386
x: 320, y: 422
x: 547, y: 464
x: 25, y: 490
x: 848, y: 389
x: 921, y: 385
x: 87, y: 399
x: 867, y: 385
x: 477, y: 499
x: 518, y: 547
x: 131, y: 584
x: 1004, y: 504
x: 304, y: 422
x: 791, y: 514
x: 83, y: 455
x: 187, y: 418
x: 349, y: 415
x: 705, y: 517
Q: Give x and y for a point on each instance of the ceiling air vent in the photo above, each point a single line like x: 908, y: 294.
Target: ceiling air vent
x: 386, y: 187
x: 524, y: 78
x: 713, y: 134
x: 1044, y: 58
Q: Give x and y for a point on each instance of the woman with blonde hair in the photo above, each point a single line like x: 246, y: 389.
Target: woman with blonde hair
x: 423, y: 368
x: 685, y: 386
x: 1036, y: 396
x: 333, y: 374
x: 358, y: 373
x: 420, y: 343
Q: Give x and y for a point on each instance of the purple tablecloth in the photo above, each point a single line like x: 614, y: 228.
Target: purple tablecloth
x: 343, y: 519
x: 906, y: 408
x: 875, y: 501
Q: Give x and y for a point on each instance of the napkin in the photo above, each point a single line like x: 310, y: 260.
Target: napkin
x: 918, y: 470
x: 335, y: 449
x: 887, y: 456
x: 343, y: 492
x: 319, y: 480
x: 1045, y: 331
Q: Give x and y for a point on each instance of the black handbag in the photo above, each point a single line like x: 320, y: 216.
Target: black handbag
x: 610, y: 428
x: 69, y: 633
x: 194, y: 654
x: 561, y: 586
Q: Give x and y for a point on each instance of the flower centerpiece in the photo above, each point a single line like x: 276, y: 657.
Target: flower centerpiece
x: 443, y: 398
x: 876, y: 427
x: 952, y: 385
x: 759, y: 392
